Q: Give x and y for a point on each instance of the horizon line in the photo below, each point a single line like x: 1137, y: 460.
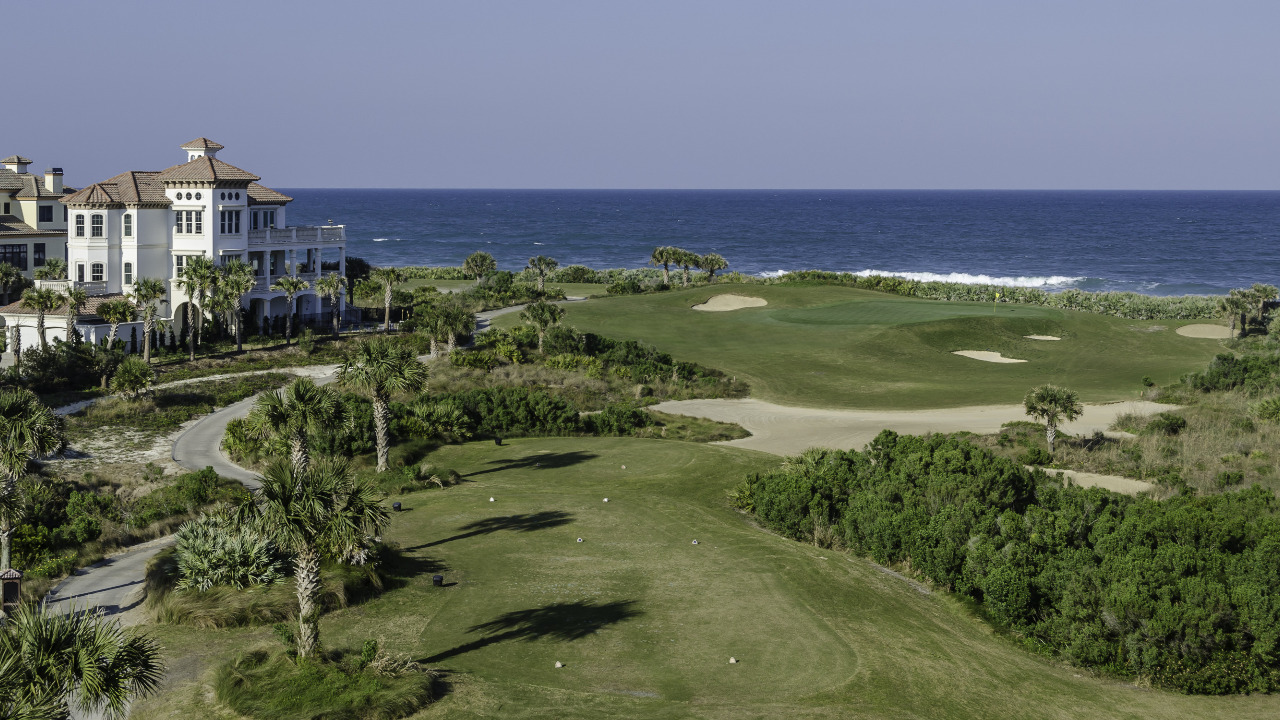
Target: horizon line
x: 746, y: 189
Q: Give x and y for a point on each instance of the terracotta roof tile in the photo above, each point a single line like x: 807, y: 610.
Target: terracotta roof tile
x: 207, y: 169
x: 10, y: 224
x: 132, y: 188
x: 90, y: 308
x: 202, y: 143
x: 261, y: 195
x: 17, y: 159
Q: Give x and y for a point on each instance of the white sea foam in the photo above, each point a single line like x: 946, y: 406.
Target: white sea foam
x: 967, y: 279
x: 379, y: 239
x: 774, y: 273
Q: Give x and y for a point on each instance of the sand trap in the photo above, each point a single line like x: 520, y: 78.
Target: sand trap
x: 1208, y: 332
x: 722, y: 303
x: 784, y: 430
x: 1041, y: 337
x: 986, y: 356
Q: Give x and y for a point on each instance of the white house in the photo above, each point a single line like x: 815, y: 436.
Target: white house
x: 147, y: 224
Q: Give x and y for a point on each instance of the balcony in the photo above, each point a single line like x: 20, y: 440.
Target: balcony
x: 309, y: 235
x: 91, y: 288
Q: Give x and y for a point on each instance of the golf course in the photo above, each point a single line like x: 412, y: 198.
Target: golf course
x: 836, y: 347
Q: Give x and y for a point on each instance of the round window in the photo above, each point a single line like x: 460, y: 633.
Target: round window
x: 188, y: 196
x: 224, y: 196
x: 237, y: 196
x: 197, y: 196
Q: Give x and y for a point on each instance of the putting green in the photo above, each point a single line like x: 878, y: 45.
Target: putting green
x: 838, y: 347
x: 645, y: 622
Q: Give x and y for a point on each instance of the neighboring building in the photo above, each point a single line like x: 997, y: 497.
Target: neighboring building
x: 33, y: 223
x: 147, y: 224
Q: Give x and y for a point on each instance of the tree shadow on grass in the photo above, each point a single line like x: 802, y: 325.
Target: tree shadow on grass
x: 565, y: 622
x: 515, y: 523
x: 547, y: 461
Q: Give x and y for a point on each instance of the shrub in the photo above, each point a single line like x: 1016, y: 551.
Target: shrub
x: 132, y: 377
x: 618, y: 419
x: 212, y: 551
x: 1166, y: 423
x: 477, y: 359
x: 630, y: 286
x: 1268, y: 409
x: 1036, y: 456
x: 509, y: 411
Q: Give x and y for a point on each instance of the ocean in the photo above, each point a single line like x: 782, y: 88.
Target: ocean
x: 1158, y: 243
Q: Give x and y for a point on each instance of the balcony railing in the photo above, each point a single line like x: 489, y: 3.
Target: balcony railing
x: 91, y: 288
x: 326, y: 235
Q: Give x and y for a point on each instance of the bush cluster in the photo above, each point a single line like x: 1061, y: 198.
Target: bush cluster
x: 1180, y: 592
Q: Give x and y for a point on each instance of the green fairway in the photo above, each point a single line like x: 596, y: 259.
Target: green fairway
x: 645, y: 621
x: 840, y: 347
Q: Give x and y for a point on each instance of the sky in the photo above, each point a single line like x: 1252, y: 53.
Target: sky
x: 893, y: 94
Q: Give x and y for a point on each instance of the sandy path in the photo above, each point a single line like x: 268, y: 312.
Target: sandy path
x: 729, y: 301
x: 784, y: 430
x: 1205, y: 331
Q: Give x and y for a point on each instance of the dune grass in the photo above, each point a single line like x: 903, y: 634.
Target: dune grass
x: 830, y: 346
x: 645, y: 621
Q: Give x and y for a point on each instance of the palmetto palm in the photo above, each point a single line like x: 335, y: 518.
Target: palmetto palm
x: 1051, y: 404
x: 711, y: 262
x: 46, y: 661
x: 685, y: 260
x: 146, y: 293
x: 42, y: 301
x: 382, y: 369
x: 388, y: 277
x: 542, y: 265
x: 28, y: 430
x: 9, y: 276
x: 456, y: 320
x: 75, y: 299
x: 295, y: 411
x: 54, y: 269
x: 479, y: 264
x: 238, y: 279
x: 332, y: 287
x: 543, y: 315
x: 1234, y: 307
x: 202, y: 277
x: 115, y: 312
x: 290, y: 286
x: 666, y: 256
x: 309, y: 514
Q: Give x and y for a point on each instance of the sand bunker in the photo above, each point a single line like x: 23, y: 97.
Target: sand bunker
x: 1041, y: 337
x: 722, y: 303
x: 784, y: 430
x: 1208, y: 332
x: 986, y: 356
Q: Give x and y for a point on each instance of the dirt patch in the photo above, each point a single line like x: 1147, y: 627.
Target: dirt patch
x: 1041, y: 337
x: 986, y: 356
x: 1114, y: 483
x: 723, y: 303
x: 1205, y: 331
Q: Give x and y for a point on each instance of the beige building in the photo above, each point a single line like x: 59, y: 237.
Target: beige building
x: 33, y: 221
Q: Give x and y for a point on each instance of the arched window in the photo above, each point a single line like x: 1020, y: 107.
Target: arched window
x: 128, y: 273
x: 79, y: 226
x: 95, y: 272
x: 128, y: 225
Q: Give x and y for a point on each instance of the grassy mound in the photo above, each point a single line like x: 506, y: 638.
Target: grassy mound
x: 273, y: 686
x: 841, y: 347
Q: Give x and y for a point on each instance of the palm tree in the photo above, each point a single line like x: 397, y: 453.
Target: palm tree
x: 46, y: 660
x: 146, y: 292
x: 115, y: 312
x: 9, y: 276
x: 542, y: 265
x: 42, y: 301
x: 479, y: 264
x: 238, y: 279
x: 75, y: 299
x: 711, y: 262
x: 1051, y: 403
x: 1260, y: 295
x: 28, y: 430
x: 685, y: 260
x: 388, y: 277
x: 202, y: 278
x: 666, y: 256
x: 542, y: 315
x: 1234, y: 307
x: 295, y: 411
x: 290, y: 285
x: 309, y: 514
x: 456, y: 320
x: 382, y: 368
x: 54, y: 269
x: 332, y: 286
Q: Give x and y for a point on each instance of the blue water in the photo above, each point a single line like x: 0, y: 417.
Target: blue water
x: 1160, y: 243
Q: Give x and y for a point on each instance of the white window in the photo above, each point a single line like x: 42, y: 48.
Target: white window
x: 178, y: 263
x: 128, y: 272
x: 199, y: 220
x: 96, y: 272
x: 79, y: 272
x: 229, y: 222
x: 96, y: 226
x: 79, y: 226
x: 268, y: 218
x: 128, y: 225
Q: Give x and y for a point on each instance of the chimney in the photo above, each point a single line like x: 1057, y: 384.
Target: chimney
x: 53, y: 180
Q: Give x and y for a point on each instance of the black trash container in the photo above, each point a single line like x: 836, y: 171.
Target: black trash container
x: 437, y: 580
